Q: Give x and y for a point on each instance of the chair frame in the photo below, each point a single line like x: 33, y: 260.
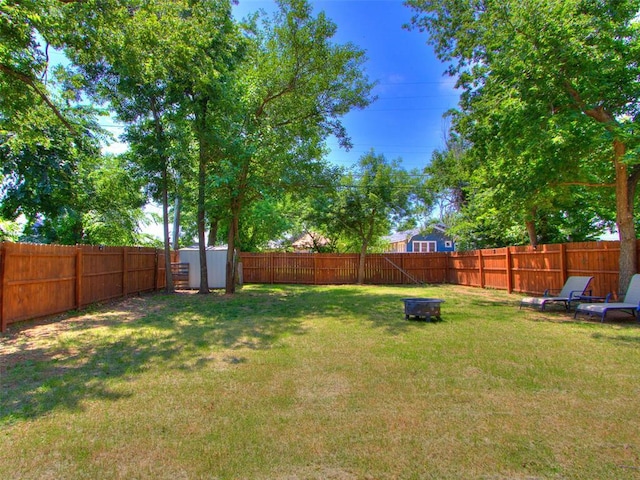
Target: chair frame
x: 632, y: 307
x: 568, y: 295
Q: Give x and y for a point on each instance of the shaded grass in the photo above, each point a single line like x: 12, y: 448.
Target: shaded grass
x: 321, y: 382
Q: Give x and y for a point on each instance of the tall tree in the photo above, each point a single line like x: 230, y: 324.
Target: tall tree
x: 297, y: 83
x: 50, y: 143
x: 211, y: 51
x: 44, y: 172
x: 368, y: 201
x: 572, y: 64
x: 162, y: 65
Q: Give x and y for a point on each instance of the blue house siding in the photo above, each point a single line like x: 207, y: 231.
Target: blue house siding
x: 443, y: 243
x: 405, y: 241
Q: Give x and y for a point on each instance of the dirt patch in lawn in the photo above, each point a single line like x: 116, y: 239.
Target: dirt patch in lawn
x: 34, y: 340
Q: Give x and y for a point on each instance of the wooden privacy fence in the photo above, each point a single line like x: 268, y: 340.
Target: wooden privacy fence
x: 40, y: 280
x: 515, y: 269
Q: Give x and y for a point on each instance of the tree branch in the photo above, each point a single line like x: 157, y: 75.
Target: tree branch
x: 599, y: 113
x: 269, y: 98
x: 582, y: 184
x: 27, y: 80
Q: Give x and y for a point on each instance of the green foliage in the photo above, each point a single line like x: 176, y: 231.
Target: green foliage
x: 9, y: 230
x: 263, y: 221
x: 49, y: 138
x: 114, y: 202
x: 367, y: 202
x: 549, y: 107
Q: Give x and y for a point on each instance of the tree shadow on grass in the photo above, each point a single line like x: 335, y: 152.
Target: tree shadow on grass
x: 621, y: 339
x: 48, y: 366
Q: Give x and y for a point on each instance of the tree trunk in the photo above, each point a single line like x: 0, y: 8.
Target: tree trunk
x: 202, y: 247
x: 625, y: 188
x: 531, y: 231
x: 176, y: 223
x: 165, y: 224
x: 230, y: 283
x: 230, y: 278
x: 213, y: 233
x: 363, y: 257
x: 160, y: 138
x: 234, y: 228
x: 202, y: 178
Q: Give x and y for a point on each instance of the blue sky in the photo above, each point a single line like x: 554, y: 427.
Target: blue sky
x: 413, y: 93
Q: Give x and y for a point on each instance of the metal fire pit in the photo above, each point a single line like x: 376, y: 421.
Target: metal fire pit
x: 422, y: 308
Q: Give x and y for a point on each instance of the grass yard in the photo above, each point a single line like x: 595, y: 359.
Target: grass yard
x: 294, y: 382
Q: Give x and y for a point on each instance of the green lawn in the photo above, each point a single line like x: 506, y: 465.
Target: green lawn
x: 294, y: 382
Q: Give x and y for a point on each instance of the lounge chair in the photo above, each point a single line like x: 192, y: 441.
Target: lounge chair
x: 573, y: 289
x: 630, y: 303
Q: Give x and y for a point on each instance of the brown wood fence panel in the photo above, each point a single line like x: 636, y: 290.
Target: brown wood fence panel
x: 536, y: 269
x: 40, y: 280
x: 295, y: 269
x: 336, y: 269
x: 102, y: 274
x: 256, y: 268
x: 494, y: 268
x: 141, y: 269
x: 597, y: 259
x: 515, y: 269
x: 464, y: 269
x: 407, y: 268
x: 378, y: 271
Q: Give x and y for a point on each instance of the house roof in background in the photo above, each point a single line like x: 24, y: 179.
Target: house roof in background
x: 402, y: 236
x: 405, y: 235
x: 310, y: 240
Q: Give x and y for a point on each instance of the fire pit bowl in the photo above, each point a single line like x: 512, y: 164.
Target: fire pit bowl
x: 422, y: 307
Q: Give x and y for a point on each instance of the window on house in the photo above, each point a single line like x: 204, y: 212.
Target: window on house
x: 448, y: 244
x: 425, y: 247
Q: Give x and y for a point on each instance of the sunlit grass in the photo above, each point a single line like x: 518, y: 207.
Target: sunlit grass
x: 291, y: 382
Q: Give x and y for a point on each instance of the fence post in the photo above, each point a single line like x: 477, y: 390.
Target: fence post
x: 156, y: 272
x: 78, y: 276
x: 271, y: 273
x: 446, y: 268
x: 563, y: 263
x: 315, y: 270
x: 481, y: 268
x: 3, y: 260
x: 124, y: 271
x: 509, y: 271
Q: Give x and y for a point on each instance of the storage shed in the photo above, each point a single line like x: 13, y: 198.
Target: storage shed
x: 216, y: 265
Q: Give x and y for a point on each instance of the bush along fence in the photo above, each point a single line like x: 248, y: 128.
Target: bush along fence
x: 41, y: 280
x: 515, y: 269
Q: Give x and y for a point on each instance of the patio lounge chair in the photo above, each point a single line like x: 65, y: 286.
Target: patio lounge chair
x: 573, y: 289
x: 630, y: 303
